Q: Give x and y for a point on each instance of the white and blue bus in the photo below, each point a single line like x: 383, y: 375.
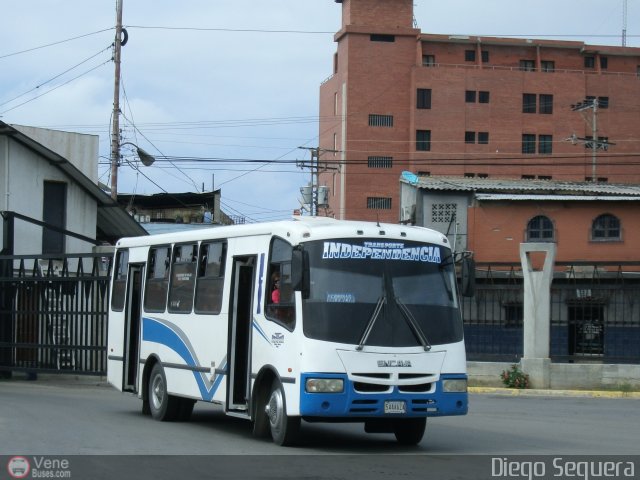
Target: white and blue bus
x: 311, y: 319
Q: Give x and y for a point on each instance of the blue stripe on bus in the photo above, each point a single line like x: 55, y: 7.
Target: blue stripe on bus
x: 260, y: 331
x: 165, y: 334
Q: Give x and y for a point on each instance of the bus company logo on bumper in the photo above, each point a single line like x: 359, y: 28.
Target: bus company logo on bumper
x: 277, y: 339
x: 394, y: 363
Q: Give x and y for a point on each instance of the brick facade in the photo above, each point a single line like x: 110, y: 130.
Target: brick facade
x: 381, y: 64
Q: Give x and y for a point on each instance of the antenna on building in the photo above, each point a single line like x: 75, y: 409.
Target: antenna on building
x: 624, y: 23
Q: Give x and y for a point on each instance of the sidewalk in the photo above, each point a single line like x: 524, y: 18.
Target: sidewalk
x: 515, y: 392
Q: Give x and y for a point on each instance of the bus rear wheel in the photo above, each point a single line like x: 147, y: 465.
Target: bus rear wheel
x: 409, y: 431
x: 284, y: 429
x: 162, y: 406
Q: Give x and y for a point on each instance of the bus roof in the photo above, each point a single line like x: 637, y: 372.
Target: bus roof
x: 297, y: 230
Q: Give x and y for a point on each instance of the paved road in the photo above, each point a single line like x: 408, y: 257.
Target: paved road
x: 46, y: 418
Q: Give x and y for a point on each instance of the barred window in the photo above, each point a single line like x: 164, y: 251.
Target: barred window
x: 380, y: 162
x: 528, y: 143
x: 443, y: 212
x: 428, y: 60
x: 548, y: 66
x: 469, y: 137
x: 545, y: 144
x: 606, y: 227
x: 483, y: 97
x: 540, y: 229
x: 527, y: 65
x: 376, y: 120
x: 546, y: 103
x: 483, y: 138
x: 378, y: 203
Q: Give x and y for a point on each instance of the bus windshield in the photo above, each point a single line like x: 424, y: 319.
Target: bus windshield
x: 369, y: 292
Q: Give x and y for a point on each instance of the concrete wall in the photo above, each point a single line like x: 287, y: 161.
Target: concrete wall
x: 563, y: 375
x: 23, y: 193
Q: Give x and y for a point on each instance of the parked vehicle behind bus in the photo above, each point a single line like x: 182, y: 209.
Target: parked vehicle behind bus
x: 312, y: 319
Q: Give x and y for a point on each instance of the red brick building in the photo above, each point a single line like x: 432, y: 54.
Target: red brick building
x: 400, y: 99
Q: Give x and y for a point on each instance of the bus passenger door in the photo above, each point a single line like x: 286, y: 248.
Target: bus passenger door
x: 240, y: 334
x: 132, y: 329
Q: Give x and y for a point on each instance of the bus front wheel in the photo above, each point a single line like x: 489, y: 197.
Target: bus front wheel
x: 409, y: 431
x: 162, y: 406
x: 284, y: 428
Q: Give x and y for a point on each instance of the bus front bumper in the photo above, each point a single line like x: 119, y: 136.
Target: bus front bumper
x: 394, y: 402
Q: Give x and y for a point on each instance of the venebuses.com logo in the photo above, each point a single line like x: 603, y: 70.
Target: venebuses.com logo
x: 18, y: 467
x: 38, y: 467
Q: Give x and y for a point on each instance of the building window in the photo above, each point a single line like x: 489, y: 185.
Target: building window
x: 483, y: 97
x: 603, y: 102
x: 589, y: 62
x: 548, y: 66
x: 469, y: 137
x: 376, y: 120
x: 469, y: 55
x: 428, y: 60
x: 424, y: 98
x: 483, y: 138
x: 528, y: 143
x: 546, y: 104
x: 378, y: 203
x: 485, y: 56
x: 540, y: 229
x: 527, y: 65
x: 379, y: 37
x: 380, y: 162
x: 545, y: 144
x: 606, y: 228
x: 423, y: 140
x: 604, y: 63
x: 528, y: 103
x: 443, y: 212
x: 470, y: 96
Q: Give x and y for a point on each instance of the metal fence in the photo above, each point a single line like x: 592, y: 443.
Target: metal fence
x: 595, y: 313
x: 53, y: 313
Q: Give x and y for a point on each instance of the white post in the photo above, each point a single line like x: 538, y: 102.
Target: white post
x: 537, y: 312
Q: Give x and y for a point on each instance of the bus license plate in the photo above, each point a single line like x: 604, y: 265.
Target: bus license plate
x: 391, y: 406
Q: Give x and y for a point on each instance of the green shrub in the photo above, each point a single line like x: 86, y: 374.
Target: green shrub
x: 515, y: 378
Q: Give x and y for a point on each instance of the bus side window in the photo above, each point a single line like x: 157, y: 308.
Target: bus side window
x: 183, y: 278
x: 280, y: 297
x: 210, y: 281
x: 155, y: 292
x: 120, y: 268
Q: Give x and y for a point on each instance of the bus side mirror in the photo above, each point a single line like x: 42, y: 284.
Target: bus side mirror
x: 468, y: 280
x: 300, y: 271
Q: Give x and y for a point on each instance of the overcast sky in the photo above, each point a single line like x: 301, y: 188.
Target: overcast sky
x: 226, y: 79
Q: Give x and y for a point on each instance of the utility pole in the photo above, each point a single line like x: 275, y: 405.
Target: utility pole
x: 594, y: 142
x: 115, y: 121
x: 624, y: 23
x: 314, y: 165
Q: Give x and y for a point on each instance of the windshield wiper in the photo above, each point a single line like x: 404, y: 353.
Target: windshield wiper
x: 411, y: 320
x: 376, y: 312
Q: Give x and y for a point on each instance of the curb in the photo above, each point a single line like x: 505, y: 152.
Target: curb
x: 515, y: 392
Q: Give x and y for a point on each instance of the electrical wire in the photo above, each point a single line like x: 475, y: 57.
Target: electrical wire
x: 55, y: 43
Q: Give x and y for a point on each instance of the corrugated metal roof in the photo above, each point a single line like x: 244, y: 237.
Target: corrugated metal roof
x: 563, y: 198
x: 113, y: 221
x: 540, y: 187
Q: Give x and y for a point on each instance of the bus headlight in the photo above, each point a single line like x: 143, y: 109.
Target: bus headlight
x: 324, y: 385
x: 454, y: 385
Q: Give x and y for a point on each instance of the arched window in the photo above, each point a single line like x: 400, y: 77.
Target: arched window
x: 606, y: 227
x: 540, y: 229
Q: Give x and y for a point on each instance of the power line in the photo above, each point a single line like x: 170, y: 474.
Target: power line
x: 54, y: 43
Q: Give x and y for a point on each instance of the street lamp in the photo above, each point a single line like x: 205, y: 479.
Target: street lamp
x: 146, y: 158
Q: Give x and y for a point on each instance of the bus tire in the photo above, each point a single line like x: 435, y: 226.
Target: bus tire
x: 284, y: 429
x: 261, y: 427
x: 409, y: 431
x: 163, y: 407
